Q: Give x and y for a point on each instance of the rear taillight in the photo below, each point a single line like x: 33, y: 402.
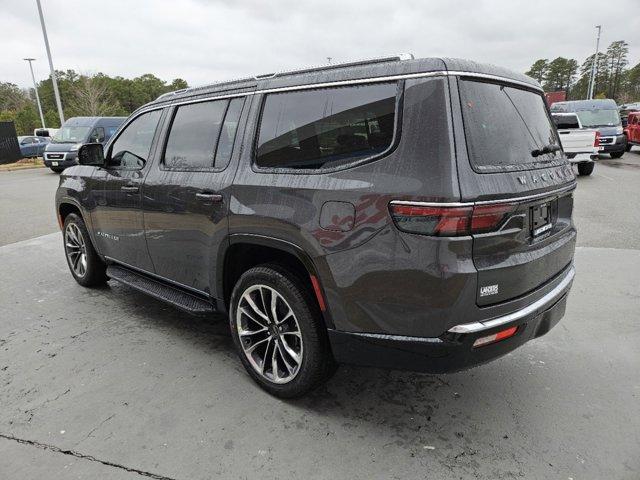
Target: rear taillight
x: 448, y: 221
x: 596, y: 142
x: 487, y: 218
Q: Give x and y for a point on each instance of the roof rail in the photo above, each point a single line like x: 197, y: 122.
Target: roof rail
x: 222, y: 83
x: 331, y: 66
x: 395, y: 58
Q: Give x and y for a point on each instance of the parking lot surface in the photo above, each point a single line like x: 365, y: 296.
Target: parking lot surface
x: 109, y: 383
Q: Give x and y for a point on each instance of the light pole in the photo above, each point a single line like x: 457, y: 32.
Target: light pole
x: 35, y: 88
x: 56, y: 92
x: 592, y: 79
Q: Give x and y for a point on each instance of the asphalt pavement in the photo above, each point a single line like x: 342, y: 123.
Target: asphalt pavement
x: 109, y: 383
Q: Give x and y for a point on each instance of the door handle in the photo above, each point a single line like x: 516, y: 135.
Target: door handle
x: 210, y: 197
x: 130, y: 188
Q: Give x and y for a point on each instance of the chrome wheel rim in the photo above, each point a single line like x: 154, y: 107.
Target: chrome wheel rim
x: 269, y: 334
x: 76, y: 249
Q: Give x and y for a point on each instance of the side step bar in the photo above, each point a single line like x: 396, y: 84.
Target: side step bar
x: 181, y: 299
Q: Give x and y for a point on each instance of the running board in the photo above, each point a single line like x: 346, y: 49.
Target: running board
x: 181, y: 299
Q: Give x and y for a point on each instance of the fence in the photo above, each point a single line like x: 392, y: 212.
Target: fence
x: 9, y: 148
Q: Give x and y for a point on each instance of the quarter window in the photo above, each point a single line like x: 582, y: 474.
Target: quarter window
x: 131, y: 149
x: 228, y: 132
x: 328, y: 127
x: 194, y: 134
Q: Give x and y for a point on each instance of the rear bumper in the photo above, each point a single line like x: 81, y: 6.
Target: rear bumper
x: 453, y: 350
x: 583, y: 157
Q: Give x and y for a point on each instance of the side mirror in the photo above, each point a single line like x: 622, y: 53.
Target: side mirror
x: 91, y: 154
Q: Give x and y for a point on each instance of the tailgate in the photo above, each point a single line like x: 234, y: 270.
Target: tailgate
x: 534, y: 244
x: 521, y: 184
x: 577, y: 141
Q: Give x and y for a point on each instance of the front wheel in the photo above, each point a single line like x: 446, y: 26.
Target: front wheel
x: 278, y: 331
x: 616, y: 154
x: 86, y: 266
x: 586, y: 168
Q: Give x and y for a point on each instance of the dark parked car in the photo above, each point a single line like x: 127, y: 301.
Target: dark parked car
x: 412, y: 214
x: 63, y: 150
x: 32, y: 146
x: 601, y: 115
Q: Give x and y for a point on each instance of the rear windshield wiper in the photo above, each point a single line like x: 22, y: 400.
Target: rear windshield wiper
x: 551, y: 148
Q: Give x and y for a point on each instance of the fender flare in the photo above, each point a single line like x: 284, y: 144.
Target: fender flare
x: 275, y: 243
x: 86, y: 218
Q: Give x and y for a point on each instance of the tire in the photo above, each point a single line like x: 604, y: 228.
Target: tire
x: 586, y: 168
x: 628, y: 147
x: 616, y: 154
x: 311, y: 347
x: 76, y: 241
x: 56, y: 169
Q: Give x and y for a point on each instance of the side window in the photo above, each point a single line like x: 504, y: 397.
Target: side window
x: 110, y: 132
x: 97, y: 135
x: 131, y: 149
x: 193, y: 136
x: 327, y: 127
x: 228, y: 132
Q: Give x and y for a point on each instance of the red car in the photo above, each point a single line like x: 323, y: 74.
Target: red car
x: 632, y: 130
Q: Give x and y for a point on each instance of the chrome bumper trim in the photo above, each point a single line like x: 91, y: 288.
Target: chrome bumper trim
x: 539, y: 304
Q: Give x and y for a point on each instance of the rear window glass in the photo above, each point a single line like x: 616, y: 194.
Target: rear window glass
x: 193, y: 136
x: 504, y: 125
x: 599, y: 118
x: 566, y: 121
x: 325, y: 128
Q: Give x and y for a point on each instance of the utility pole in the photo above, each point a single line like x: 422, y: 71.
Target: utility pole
x: 56, y: 92
x: 35, y: 88
x: 592, y: 80
x: 329, y: 60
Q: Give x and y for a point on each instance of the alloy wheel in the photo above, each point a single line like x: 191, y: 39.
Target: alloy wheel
x: 269, y: 334
x: 76, y: 249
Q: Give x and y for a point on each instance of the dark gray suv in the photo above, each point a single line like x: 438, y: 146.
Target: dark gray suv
x: 412, y: 214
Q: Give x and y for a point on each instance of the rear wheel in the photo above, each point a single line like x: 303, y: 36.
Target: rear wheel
x: 616, y: 154
x: 586, y: 168
x: 57, y: 169
x: 84, y: 263
x: 278, y: 331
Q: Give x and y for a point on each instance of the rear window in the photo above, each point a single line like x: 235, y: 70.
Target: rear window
x: 503, y: 125
x: 325, y: 128
x: 599, y: 118
x: 566, y: 122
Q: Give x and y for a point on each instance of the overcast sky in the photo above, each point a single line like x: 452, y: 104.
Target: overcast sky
x: 207, y: 40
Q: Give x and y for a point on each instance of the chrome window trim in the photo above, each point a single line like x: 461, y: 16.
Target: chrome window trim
x: 547, y: 299
x: 340, y: 83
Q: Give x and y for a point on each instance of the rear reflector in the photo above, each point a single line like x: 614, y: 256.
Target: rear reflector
x: 496, y: 337
x: 318, y: 291
x: 448, y: 221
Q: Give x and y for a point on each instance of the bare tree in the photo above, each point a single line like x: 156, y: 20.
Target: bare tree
x: 91, y: 97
